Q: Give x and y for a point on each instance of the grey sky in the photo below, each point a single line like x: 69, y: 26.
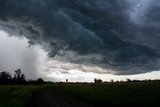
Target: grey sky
x: 14, y: 54
x: 35, y: 63
x: 100, y: 36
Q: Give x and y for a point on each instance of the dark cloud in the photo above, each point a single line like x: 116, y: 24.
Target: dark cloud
x: 123, y: 36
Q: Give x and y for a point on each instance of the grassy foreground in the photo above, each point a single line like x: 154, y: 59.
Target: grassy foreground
x: 132, y: 94
x: 16, y: 95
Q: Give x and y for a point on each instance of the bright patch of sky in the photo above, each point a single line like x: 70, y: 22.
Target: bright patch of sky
x: 138, y: 10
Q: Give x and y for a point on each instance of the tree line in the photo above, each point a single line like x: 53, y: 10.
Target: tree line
x: 18, y: 78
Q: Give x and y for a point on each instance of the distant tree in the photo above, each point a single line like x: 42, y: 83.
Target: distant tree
x: 5, y: 77
x: 18, y: 73
x: 39, y: 80
x: 128, y: 80
x: 66, y: 80
x: 31, y: 81
x: 22, y: 77
x: 19, y: 77
x: 97, y: 80
x: 112, y: 80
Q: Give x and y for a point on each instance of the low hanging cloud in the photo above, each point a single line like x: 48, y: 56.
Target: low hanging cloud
x: 118, y: 35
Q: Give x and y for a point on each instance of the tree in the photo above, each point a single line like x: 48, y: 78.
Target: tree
x: 112, y: 80
x: 129, y: 80
x: 66, y: 80
x: 5, y: 77
x: 19, y: 76
x: 97, y: 80
x: 40, y: 80
x: 18, y: 73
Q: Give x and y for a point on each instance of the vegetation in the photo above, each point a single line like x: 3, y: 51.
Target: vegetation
x: 97, y: 80
x: 17, y: 95
x: 132, y: 93
x: 19, y: 78
x: 16, y: 90
x: 117, y: 94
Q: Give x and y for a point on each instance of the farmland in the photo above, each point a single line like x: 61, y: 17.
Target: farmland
x: 132, y: 94
x: 17, y: 95
x: 118, y: 94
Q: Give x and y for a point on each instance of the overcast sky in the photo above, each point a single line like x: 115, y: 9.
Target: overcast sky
x: 35, y: 63
x: 81, y: 39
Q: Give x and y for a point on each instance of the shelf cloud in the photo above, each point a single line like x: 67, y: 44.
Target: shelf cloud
x: 117, y: 35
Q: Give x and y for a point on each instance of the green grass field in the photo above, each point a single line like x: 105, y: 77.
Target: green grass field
x: 17, y: 95
x: 134, y: 94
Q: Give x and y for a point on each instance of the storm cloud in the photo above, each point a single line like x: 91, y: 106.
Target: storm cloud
x: 117, y: 35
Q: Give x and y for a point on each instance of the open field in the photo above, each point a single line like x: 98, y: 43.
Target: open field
x: 131, y: 94
x: 17, y: 95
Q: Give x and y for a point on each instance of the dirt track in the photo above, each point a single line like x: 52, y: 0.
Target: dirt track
x: 53, y: 97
